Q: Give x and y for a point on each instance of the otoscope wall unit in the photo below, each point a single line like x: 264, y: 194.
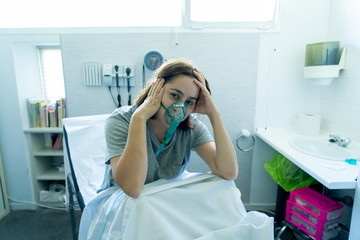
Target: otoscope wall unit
x: 116, y: 75
x: 324, y: 74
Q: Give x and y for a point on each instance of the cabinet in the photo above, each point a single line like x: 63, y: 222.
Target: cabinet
x: 46, y: 165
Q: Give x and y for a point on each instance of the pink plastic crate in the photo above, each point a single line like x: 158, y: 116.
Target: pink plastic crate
x: 311, y: 229
x: 314, y: 213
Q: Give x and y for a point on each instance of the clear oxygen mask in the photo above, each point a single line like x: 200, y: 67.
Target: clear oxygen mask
x: 175, y: 111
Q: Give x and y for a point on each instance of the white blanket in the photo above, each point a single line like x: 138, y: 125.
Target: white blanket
x: 193, y: 206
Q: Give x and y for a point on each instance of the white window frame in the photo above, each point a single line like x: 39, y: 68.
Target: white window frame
x: 44, y: 82
x: 186, y: 25
x: 261, y: 25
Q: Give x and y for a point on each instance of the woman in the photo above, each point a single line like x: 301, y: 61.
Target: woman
x: 134, y: 134
x: 152, y: 140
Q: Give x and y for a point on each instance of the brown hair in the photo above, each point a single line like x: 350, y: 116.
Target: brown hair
x: 168, y: 71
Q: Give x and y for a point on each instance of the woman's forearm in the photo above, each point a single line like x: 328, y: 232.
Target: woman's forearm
x: 131, y: 169
x: 225, y: 159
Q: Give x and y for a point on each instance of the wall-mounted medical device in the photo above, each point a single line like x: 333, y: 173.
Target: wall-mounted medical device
x: 153, y: 60
x: 116, y: 75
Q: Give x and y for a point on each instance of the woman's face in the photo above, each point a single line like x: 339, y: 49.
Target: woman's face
x: 182, y: 88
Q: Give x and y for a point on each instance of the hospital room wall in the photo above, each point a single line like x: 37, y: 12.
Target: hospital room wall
x: 228, y: 60
x: 18, y: 80
x: 340, y: 102
x: 13, y: 144
x: 281, y: 90
x: 235, y: 95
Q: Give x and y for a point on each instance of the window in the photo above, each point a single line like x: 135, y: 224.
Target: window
x: 231, y: 13
x: 89, y: 13
x: 138, y: 13
x: 52, y: 78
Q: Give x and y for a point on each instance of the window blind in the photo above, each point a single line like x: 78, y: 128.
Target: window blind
x: 51, y: 69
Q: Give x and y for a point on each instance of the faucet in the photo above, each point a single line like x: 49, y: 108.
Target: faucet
x: 342, y: 142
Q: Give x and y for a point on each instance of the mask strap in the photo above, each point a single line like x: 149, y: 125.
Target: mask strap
x: 163, y: 106
x: 169, y: 133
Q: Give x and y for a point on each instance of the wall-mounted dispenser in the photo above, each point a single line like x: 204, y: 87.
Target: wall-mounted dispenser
x: 323, y: 62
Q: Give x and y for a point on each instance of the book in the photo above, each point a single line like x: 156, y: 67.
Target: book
x: 44, y: 113
x: 58, y: 141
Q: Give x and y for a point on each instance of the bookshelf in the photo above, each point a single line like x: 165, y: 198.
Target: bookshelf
x: 45, y: 162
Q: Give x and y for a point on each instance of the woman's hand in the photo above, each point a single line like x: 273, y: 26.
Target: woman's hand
x: 129, y: 170
x: 153, y: 101
x: 205, y: 103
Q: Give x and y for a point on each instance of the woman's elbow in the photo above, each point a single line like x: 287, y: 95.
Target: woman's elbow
x: 134, y: 193
x: 230, y: 175
x: 131, y: 190
x: 227, y: 175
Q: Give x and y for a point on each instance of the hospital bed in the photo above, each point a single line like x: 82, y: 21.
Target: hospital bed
x: 191, y: 206
x: 84, y: 154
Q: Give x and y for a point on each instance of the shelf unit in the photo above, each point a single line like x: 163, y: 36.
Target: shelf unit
x: 44, y: 160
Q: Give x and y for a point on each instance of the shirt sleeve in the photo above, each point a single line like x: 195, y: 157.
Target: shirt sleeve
x: 201, y: 134
x: 116, y: 132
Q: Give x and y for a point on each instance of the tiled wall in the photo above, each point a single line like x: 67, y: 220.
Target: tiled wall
x: 340, y: 101
x: 228, y: 60
x: 282, y: 89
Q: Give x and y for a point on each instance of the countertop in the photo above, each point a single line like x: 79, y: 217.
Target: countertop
x: 332, y: 174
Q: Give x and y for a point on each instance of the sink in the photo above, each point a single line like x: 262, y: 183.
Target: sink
x: 321, y: 147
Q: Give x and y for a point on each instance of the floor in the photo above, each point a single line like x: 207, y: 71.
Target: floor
x: 55, y: 225
x: 37, y: 225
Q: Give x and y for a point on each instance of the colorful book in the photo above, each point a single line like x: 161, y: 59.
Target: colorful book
x: 43, y: 113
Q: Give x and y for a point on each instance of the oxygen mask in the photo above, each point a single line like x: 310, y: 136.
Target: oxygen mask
x: 175, y: 112
x: 173, y: 116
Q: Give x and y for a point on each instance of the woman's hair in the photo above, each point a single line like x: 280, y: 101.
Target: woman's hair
x: 168, y: 71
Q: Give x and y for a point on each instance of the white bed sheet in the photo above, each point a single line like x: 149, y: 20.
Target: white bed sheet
x: 193, y: 206
x: 86, y: 140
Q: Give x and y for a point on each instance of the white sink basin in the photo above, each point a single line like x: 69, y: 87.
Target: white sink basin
x: 321, y: 147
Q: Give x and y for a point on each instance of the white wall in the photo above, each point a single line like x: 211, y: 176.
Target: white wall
x: 231, y: 68
x: 228, y: 60
x: 282, y: 90
x: 340, y: 101
x: 18, y: 78
x: 12, y: 138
